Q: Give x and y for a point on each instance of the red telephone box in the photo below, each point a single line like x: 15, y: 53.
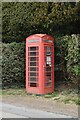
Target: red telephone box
x: 39, y: 64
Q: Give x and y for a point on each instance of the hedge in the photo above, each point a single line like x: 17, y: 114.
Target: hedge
x: 13, y: 64
x: 68, y: 56
x: 66, y: 61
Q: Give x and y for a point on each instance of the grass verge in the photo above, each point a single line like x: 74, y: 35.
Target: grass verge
x: 68, y: 97
x: 15, y: 91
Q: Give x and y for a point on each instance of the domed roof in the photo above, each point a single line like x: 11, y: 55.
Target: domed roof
x: 41, y: 36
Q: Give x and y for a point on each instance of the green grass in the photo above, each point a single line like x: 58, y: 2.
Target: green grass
x: 16, y: 91
x: 54, y: 94
x: 67, y: 96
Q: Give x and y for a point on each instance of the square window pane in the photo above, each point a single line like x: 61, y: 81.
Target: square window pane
x: 32, y: 68
x: 32, y: 53
x: 48, y: 68
x: 32, y: 58
x: 32, y: 74
x: 32, y: 63
x: 32, y: 48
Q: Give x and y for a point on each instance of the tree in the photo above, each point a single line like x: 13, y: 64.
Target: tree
x: 23, y: 19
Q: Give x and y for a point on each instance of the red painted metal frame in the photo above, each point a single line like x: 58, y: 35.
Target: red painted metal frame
x: 41, y: 88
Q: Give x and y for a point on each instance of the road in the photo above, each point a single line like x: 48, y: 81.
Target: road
x: 11, y: 111
x: 9, y: 115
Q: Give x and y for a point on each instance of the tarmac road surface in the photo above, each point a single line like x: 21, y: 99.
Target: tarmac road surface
x: 9, y: 115
x: 11, y: 111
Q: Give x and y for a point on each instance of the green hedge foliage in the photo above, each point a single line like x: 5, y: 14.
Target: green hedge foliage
x: 21, y: 19
x: 67, y: 57
x: 66, y: 61
x: 13, y: 64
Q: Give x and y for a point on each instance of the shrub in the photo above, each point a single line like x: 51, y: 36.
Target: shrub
x: 69, y: 51
x: 72, y: 58
x: 13, y: 64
